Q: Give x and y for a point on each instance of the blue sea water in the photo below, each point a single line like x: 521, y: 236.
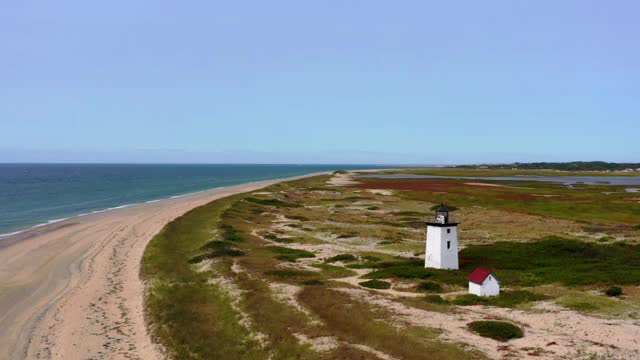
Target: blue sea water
x: 33, y: 194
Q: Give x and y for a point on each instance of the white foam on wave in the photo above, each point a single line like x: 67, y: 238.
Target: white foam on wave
x: 33, y: 227
x: 49, y: 222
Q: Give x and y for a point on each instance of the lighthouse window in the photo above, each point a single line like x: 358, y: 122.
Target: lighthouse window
x: 448, y: 245
x: 448, y: 231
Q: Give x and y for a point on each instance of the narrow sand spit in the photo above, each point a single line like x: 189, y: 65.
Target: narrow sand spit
x: 341, y: 180
x: 72, y: 290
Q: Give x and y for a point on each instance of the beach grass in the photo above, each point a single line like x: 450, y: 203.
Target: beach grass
x: 178, y: 297
x: 355, y: 322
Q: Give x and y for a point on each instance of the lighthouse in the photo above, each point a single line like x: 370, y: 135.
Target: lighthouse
x: 442, y: 241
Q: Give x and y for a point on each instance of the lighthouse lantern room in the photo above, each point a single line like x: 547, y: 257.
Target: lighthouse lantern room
x: 442, y: 241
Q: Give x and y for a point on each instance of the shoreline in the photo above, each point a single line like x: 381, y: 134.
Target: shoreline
x: 55, y: 221
x: 71, y: 289
x: 48, y: 222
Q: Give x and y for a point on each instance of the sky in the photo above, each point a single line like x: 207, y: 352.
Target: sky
x: 376, y: 82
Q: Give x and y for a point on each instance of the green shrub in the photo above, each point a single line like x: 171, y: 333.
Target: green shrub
x: 347, y: 235
x: 334, y: 272
x: 413, y: 269
x: 296, y: 217
x: 271, y: 202
x: 230, y: 233
x: 614, y: 291
x: 470, y: 299
x: 371, y: 258
x: 435, y: 299
x: 216, y: 248
x: 341, y: 257
x: 376, y: 284
x: 288, y: 273
x: 497, y: 330
x: 557, y: 260
x: 340, y: 172
x: 288, y: 254
x: 513, y: 298
x: 429, y: 286
x: 278, y: 239
x: 312, y: 282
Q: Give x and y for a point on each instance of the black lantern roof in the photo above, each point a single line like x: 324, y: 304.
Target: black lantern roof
x: 442, y: 217
x: 442, y: 208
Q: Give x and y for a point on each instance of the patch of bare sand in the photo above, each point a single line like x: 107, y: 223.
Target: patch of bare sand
x: 383, y: 192
x: 550, y: 334
x: 319, y: 344
x: 328, y: 343
x: 369, y: 349
x: 341, y: 180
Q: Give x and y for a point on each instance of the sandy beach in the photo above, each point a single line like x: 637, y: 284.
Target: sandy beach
x: 72, y: 290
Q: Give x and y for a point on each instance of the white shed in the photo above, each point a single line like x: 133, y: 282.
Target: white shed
x: 483, y: 282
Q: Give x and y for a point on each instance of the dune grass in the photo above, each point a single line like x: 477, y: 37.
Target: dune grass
x: 429, y: 286
x: 178, y: 297
x: 354, y: 321
x: 508, y: 299
x: 334, y: 272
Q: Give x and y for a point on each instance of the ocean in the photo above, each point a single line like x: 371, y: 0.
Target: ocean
x: 36, y: 194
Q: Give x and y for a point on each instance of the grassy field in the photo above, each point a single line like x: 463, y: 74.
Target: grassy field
x: 275, y: 271
x: 599, y: 205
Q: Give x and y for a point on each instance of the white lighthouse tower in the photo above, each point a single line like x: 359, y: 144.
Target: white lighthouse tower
x: 442, y: 241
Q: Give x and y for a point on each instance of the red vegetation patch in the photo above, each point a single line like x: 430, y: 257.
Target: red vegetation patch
x: 419, y: 185
x: 412, y: 185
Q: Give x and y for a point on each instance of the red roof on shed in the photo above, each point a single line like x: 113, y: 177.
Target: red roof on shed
x: 478, y: 275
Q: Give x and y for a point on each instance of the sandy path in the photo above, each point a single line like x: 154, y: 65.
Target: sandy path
x: 72, y: 290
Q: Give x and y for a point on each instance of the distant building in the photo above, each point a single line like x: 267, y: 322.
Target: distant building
x: 442, y: 241
x: 483, y: 282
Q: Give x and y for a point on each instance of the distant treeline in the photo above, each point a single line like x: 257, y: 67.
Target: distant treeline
x: 566, y: 166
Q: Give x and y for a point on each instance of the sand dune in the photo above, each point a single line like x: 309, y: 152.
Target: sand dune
x: 72, y: 290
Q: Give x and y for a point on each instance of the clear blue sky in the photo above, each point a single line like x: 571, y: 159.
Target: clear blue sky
x: 324, y: 81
